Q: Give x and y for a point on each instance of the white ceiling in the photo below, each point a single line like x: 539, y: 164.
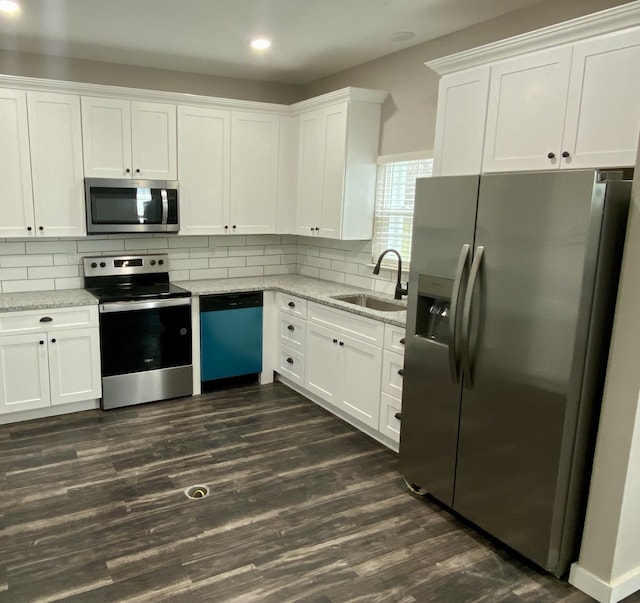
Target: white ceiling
x: 311, y: 38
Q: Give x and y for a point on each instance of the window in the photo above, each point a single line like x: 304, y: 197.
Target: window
x: 395, y: 191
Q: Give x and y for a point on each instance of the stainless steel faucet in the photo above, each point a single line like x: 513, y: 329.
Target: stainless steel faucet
x: 400, y: 290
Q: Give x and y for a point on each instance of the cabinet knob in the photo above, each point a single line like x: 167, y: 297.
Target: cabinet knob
x: 335, y: 341
x: 291, y: 305
x: 226, y: 227
x: 312, y: 229
x: 401, y: 372
x: 40, y: 227
x: 398, y: 416
x: 41, y: 342
x: 234, y: 227
x: 128, y: 171
x: 137, y: 170
x: 29, y: 228
x: 290, y: 360
x: 402, y: 341
x: 566, y: 154
x: 46, y: 319
x: 53, y: 340
x: 291, y: 328
x: 342, y: 343
x: 551, y: 155
x: 317, y: 228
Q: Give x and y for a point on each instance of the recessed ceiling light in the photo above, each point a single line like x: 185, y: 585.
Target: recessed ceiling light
x: 9, y: 6
x: 260, y: 44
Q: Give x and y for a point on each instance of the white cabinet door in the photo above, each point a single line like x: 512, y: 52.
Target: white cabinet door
x: 204, y: 148
x: 362, y: 363
x: 24, y: 372
x: 335, y: 158
x: 254, y: 173
x: 153, y: 139
x: 15, y: 166
x: 106, y: 137
x: 324, y: 372
x: 74, y: 365
x: 526, y: 110
x: 603, y: 109
x: 460, y: 122
x: 310, y: 172
x: 55, y: 135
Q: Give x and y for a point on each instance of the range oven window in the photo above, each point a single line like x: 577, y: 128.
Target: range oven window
x: 143, y: 340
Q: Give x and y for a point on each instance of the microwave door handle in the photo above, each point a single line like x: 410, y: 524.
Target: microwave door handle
x: 165, y: 206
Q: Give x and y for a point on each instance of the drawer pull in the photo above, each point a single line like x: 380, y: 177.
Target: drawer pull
x: 342, y: 343
x: 335, y: 341
x: 401, y: 372
x: 46, y: 319
x: 402, y: 341
x: 291, y: 328
x: 291, y: 305
x: 290, y: 360
x: 398, y: 416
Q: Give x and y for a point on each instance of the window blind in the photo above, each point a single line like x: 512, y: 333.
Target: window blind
x: 393, y: 217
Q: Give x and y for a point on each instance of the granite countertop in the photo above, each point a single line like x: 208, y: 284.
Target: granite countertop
x: 40, y: 300
x: 312, y: 289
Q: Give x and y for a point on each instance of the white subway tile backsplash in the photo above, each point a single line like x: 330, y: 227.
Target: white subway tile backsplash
x: 93, y: 245
x: 47, y: 264
x: 246, y: 271
x: 11, y: 261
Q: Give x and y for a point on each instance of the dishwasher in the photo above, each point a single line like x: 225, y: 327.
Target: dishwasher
x: 230, y: 336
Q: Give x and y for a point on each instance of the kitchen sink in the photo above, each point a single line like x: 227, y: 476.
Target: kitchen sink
x: 373, y: 303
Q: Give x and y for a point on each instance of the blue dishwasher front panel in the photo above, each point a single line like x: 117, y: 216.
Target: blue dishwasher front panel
x: 230, y: 342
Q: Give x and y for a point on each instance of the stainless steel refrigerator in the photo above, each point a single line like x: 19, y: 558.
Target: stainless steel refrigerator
x: 511, y: 297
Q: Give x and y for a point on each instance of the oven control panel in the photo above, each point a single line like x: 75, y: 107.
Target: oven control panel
x: 121, y: 265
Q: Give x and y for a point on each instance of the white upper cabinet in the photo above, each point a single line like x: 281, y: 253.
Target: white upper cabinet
x: 56, y: 164
x: 460, y: 123
x: 338, y: 146
x: 603, y: 109
x: 525, y: 117
x: 255, y: 142
x: 563, y: 97
x: 204, y: 157
x: 41, y: 164
x: 129, y: 139
x: 15, y: 165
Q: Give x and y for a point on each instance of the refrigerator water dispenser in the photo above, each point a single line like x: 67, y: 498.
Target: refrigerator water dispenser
x: 433, y: 307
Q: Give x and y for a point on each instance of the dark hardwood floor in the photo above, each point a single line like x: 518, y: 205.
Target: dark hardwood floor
x: 302, y: 508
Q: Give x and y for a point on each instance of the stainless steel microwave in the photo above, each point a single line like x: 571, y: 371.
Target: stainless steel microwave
x: 121, y: 206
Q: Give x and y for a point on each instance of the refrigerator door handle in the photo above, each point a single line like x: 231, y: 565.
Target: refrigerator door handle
x: 454, y: 362
x: 467, y: 366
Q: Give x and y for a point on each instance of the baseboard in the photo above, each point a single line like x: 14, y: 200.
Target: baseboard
x: 372, y: 433
x: 601, y: 591
x: 48, y: 411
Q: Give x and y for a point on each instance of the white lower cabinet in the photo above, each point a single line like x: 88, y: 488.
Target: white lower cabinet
x: 50, y: 362
x: 392, y: 380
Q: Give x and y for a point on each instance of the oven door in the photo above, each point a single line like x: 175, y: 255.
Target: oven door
x: 115, y: 206
x: 145, y: 348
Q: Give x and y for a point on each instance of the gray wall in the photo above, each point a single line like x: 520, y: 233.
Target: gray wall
x: 409, y: 113
x: 111, y: 74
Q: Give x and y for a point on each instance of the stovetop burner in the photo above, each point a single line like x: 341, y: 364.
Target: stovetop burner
x: 130, y: 278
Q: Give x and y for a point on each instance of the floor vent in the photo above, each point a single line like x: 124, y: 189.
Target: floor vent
x: 196, y: 492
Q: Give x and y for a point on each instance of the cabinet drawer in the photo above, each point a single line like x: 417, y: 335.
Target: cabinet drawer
x: 49, y: 320
x: 394, y: 338
x: 392, y: 366
x: 292, y: 332
x: 292, y: 305
x: 291, y: 364
x: 389, y: 424
x: 361, y: 328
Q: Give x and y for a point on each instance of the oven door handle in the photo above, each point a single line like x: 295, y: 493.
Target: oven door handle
x: 165, y: 206
x: 132, y: 306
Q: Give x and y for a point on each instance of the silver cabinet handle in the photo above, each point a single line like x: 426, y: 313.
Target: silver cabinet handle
x: 467, y: 365
x: 454, y: 362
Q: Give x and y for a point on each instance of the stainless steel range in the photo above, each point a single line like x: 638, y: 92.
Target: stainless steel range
x: 145, y: 329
